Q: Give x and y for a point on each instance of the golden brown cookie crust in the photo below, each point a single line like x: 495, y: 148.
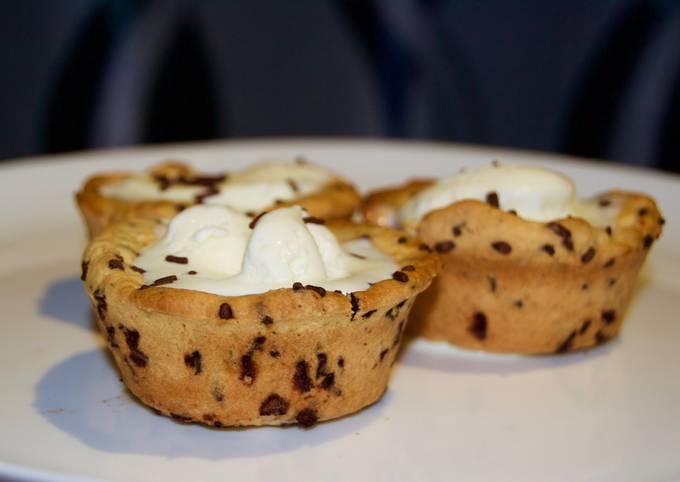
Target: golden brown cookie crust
x: 516, y: 286
x: 285, y: 356
x: 337, y: 199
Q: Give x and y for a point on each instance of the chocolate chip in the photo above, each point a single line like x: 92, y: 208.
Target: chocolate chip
x: 608, y: 316
x: 392, y: 313
x: 253, y: 223
x: 502, y: 247
x: 604, y: 203
x: 307, y: 417
x: 368, y: 314
x: 565, y: 346
x: 208, y: 417
x: 457, y: 230
x: 402, y: 239
x: 408, y: 267
x: 301, y: 380
x: 585, y: 286
x: 297, y: 286
x: 548, y: 248
x: 137, y: 269
x: 258, y: 341
x: 354, y: 301
x: 139, y: 358
x: 110, y: 336
x: 647, y: 241
x: 608, y: 230
x: 100, y: 298
x: 492, y: 283
x: 266, y: 320
x: 519, y: 304
x: 444, y: 246
x: 478, y: 326
x: 642, y: 212
x: 131, y: 338
x: 193, y: 360
x: 274, y: 404
x: 610, y: 262
x: 192, y: 272
x: 588, y: 256
x: 661, y: 221
x: 400, y: 276
x: 226, y: 313
x: 180, y: 207
x: 341, y: 362
x: 492, y: 199
x: 274, y: 353
x: 563, y: 233
x: 424, y: 247
x: 317, y: 289
x: 328, y: 381
x: 248, y: 369
x: 176, y: 259
x: 611, y: 282
x: 217, y: 424
x: 217, y: 394
x: 383, y: 353
x: 116, y: 263
x: 321, y: 361
x: 313, y: 220
x: 513, y: 212
x: 600, y: 337
x: 584, y: 327
x: 83, y: 270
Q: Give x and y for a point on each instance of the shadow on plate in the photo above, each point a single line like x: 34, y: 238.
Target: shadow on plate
x: 65, y: 300
x: 83, y: 397
x: 447, y: 358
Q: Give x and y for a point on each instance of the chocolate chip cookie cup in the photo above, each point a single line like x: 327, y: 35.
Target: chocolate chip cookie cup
x: 300, y: 354
x: 170, y: 187
x: 509, y: 284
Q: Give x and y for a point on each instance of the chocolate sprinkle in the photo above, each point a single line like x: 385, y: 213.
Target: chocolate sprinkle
x: 297, y: 286
x: 137, y: 269
x: 408, y: 267
x: 610, y: 262
x: 588, y: 255
x: 584, y: 327
x: 400, y: 276
x: 478, y: 325
x: 424, y: 247
x: 252, y: 223
x: 274, y: 404
x: 383, y: 353
x: 608, y: 230
x: 176, y: 259
x: 549, y: 248
x: 307, y: 417
x: 604, y: 203
x: 457, y: 230
x: 193, y: 360
x: 293, y: 185
x: 165, y: 280
x: 317, y: 289
x: 313, y: 220
x: 358, y: 256
x: 225, y: 312
x: 563, y: 233
x: 444, y: 246
x: 502, y: 247
x: 192, y: 272
x: 83, y: 270
x: 301, y: 380
x: 492, y: 199
x: 402, y: 239
x: 492, y: 283
x: 368, y: 314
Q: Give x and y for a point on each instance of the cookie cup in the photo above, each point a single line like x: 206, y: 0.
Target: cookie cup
x: 284, y: 356
x: 511, y: 285
x: 336, y: 199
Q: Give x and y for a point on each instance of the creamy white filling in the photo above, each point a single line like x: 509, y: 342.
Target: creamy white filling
x: 231, y: 259
x: 534, y: 193
x: 251, y: 189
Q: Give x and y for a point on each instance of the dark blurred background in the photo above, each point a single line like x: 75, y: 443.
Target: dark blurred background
x: 591, y: 78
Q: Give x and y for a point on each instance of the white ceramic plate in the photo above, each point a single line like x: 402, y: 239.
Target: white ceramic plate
x: 612, y: 413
